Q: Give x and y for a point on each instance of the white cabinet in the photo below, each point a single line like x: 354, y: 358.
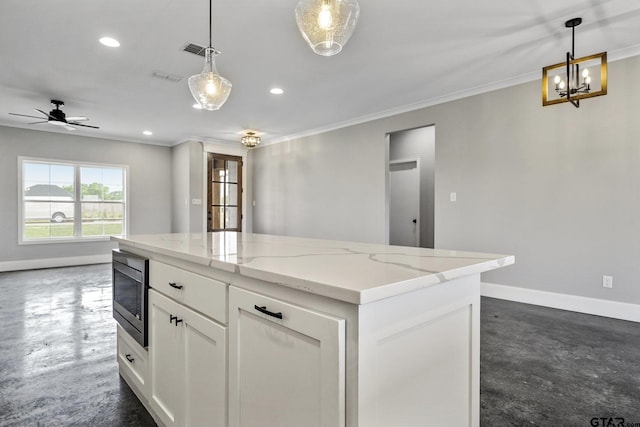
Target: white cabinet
x: 187, y: 353
x: 132, y: 361
x: 286, y: 364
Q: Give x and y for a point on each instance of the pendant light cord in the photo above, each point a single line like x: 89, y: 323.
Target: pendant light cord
x: 210, y: 19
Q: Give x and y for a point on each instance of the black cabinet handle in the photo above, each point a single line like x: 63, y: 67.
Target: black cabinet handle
x: 174, y: 285
x: 172, y: 318
x: 264, y: 310
x: 129, y: 358
x: 178, y: 321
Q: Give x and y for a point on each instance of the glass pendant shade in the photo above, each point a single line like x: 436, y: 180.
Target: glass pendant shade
x: 209, y: 89
x: 327, y: 25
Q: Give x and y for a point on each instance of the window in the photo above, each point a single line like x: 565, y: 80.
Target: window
x: 224, y: 193
x: 67, y: 201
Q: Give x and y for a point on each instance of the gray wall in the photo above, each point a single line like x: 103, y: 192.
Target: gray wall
x: 188, y: 170
x: 149, y: 186
x: 419, y: 143
x: 325, y: 186
x: 558, y: 187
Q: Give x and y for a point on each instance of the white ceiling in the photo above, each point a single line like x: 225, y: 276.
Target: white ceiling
x: 404, y: 54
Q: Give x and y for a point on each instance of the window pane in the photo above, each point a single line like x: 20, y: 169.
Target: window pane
x: 232, y: 194
x: 217, y: 217
x: 218, y: 193
x: 232, y: 171
x: 102, y: 219
x: 48, y: 211
x: 47, y: 182
x: 219, y: 170
x: 113, y: 181
x: 231, y: 218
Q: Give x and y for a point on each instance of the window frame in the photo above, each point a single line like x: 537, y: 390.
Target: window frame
x: 77, y: 202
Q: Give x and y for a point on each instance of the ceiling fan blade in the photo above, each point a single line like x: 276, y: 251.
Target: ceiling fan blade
x: 24, y: 115
x: 36, y: 123
x: 77, y: 119
x: 46, y: 114
x: 67, y: 127
x: 86, y: 126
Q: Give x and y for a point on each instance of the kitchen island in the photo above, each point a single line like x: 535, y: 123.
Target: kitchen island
x: 259, y: 330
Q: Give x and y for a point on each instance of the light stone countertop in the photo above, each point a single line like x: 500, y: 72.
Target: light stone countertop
x: 353, y: 272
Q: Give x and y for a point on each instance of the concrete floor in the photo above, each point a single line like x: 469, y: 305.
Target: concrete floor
x: 539, y: 366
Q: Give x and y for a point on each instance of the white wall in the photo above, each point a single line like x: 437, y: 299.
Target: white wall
x: 558, y: 187
x: 149, y: 188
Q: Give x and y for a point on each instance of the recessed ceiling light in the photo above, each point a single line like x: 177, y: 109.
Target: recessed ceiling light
x: 276, y: 91
x: 147, y: 132
x: 108, y: 41
x: 197, y: 106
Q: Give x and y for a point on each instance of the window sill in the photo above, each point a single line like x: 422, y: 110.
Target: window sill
x: 65, y: 240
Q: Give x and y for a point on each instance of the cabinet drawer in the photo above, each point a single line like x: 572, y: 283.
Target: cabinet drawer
x: 132, y: 360
x: 203, y: 294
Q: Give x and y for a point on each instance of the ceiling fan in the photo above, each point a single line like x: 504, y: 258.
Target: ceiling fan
x: 58, y: 118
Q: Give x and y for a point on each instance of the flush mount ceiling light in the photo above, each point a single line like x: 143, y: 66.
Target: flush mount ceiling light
x: 110, y: 42
x: 576, y: 78
x: 210, y: 89
x: 327, y: 25
x: 250, y: 140
x: 276, y: 91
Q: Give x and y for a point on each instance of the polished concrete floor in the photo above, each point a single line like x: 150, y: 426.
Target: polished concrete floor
x: 539, y: 366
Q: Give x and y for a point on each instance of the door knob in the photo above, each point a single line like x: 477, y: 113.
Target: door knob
x: 415, y: 221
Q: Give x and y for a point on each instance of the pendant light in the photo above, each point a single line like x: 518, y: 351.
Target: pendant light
x: 210, y: 89
x: 327, y: 25
x: 575, y: 78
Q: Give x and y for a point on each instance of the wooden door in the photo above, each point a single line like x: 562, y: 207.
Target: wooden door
x: 224, y: 193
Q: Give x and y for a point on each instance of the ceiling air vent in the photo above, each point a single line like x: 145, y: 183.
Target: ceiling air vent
x: 195, y: 49
x: 166, y: 76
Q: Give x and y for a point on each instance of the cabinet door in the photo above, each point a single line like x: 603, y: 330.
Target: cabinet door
x: 284, y: 372
x: 165, y: 359
x: 205, y: 372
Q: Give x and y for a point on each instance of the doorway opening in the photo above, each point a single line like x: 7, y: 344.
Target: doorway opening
x: 411, y: 187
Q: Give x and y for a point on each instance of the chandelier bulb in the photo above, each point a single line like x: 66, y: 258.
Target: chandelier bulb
x: 556, y: 79
x: 325, y: 20
x: 585, y: 73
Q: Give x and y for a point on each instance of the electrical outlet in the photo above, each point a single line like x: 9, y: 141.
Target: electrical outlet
x: 607, y: 281
x: 453, y: 197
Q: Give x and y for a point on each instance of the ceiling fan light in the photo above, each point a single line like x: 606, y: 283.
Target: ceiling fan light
x: 209, y: 89
x: 327, y: 25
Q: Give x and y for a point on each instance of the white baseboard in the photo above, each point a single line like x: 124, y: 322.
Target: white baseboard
x: 31, y: 264
x: 597, y: 307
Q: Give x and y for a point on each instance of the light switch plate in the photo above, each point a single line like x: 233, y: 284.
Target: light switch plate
x: 453, y: 197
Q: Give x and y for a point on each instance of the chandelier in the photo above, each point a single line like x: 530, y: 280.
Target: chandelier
x: 576, y: 78
x: 250, y: 140
x: 210, y: 89
x: 327, y: 25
